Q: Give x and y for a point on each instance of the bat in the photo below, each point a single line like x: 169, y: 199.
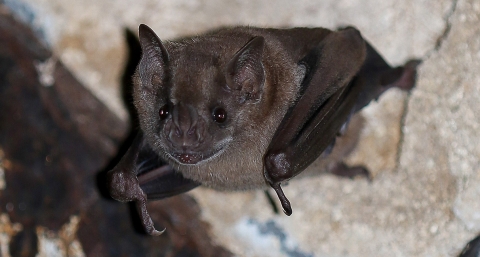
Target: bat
x: 247, y: 108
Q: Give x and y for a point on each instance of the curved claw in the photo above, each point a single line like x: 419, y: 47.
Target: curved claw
x: 287, y: 208
x: 147, y: 221
x: 139, y: 175
x: 124, y: 185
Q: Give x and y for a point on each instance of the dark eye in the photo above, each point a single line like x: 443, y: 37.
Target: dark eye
x: 164, y: 112
x: 219, y: 115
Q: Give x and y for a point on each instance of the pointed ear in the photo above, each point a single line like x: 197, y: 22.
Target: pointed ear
x: 152, y: 66
x: 245, y: 72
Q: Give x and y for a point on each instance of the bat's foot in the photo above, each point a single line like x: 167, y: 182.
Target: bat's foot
x: 342, y: 170
x: 403, y: 77
x: 408, y: 77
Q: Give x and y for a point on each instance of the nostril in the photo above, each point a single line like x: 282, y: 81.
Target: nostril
x: 171, y: 136
x: 178, y: 132
x: 191, y: 131
x: 187, y: 127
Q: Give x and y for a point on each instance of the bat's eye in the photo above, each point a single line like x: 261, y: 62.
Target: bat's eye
x: 164, y: 112
x: 219, y: 115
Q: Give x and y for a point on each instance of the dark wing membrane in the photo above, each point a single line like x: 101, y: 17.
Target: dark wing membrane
x: 327, y: 99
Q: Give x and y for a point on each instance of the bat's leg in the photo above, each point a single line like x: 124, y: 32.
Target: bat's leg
x: 404, y: 81
x: 140, y: 175
x: 378, y: 77
x: 342, y: 170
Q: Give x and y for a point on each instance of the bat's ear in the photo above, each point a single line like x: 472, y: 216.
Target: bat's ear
x: 245, y: 73
x: 152, y: 66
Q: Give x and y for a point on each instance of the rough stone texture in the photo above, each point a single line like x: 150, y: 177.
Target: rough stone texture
x: 425, y: 156
x: 89, y: 35
x: 56, y: 143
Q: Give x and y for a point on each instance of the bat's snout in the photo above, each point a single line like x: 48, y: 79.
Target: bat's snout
x: 186, y: 129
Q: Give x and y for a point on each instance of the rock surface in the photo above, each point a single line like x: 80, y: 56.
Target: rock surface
x: 423, y: 148
x: 56, y: 143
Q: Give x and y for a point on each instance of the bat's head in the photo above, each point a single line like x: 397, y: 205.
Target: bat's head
x: 193, y: 96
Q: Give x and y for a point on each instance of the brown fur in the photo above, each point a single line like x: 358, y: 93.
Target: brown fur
x: 192, y: 64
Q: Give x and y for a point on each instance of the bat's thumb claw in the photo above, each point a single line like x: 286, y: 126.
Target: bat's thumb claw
x: 149, y: 227
x: 287, y: 208
x: 147, y: 221
x: 155, y: 232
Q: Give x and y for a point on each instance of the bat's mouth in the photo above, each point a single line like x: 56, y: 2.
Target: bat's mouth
x: 196, y: 156
x: 188, y: 158
x: 192, y: 158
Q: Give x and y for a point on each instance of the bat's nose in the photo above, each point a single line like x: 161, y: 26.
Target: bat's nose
x: 186, y: 131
